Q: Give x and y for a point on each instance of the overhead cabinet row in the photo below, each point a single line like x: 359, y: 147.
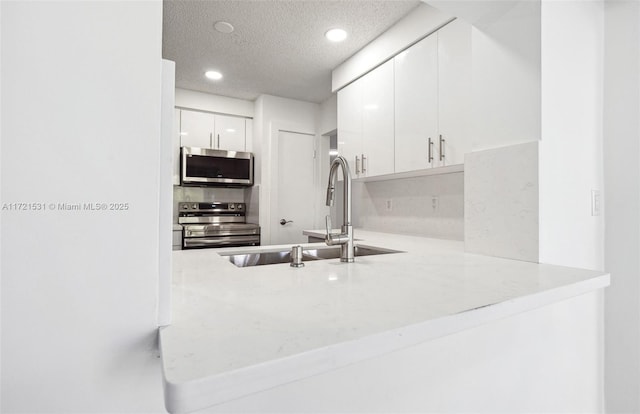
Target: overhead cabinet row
x: 412, y: 112
x: 215, y: 131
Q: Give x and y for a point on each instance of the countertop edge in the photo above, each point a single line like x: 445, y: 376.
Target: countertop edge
x: 181, y: 397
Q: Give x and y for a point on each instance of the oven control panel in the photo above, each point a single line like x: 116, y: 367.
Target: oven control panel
x: 192, y: 207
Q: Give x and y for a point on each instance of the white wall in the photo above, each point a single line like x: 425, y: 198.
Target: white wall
x: 213, y: 103
x: 571, y: 144
x: 416, y: 25
x: 271, y: 112
x: 328, y: 115
x: 622, y: 195
x: 81, y: 96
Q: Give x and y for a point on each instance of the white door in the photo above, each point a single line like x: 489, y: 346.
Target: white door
x: 230, y: 133
x: 295, y: 192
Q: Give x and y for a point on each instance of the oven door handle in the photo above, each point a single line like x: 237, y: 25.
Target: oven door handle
x: 220, y: 241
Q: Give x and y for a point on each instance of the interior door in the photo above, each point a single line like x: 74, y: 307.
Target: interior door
x: 295, y: 194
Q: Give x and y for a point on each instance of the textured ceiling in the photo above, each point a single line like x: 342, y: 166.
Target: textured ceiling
x: 278, y: 46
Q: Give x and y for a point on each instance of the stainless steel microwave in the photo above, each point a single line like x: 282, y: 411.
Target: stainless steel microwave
x: 209, y: 167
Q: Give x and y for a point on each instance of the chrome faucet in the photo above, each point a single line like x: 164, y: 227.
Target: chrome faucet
x: 345, y: 238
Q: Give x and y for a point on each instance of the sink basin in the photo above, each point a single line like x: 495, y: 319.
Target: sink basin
x: 334, y: 252
x: 284, y: 256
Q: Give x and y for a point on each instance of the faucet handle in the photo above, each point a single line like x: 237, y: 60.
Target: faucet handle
x: 328, y: 224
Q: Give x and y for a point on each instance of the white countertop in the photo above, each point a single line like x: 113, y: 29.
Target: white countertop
x: 237, y: 331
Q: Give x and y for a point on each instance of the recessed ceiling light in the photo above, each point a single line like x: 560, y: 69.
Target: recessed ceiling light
x: 223, y: 27
x: 336, y: 35
x: 212, y: 74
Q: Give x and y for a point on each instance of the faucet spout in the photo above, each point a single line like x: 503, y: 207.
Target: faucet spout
x: 345, y: 238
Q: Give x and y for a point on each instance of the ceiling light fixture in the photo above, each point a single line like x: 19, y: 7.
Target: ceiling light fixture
x: 213, y: 75
x: 336, y: 35
x: 223, y: 27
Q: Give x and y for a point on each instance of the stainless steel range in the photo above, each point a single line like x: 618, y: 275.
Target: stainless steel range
x: 216, y: 225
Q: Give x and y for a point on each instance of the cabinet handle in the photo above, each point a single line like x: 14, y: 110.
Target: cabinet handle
x: 364, y: 164
x: 218, y: 141
x: 430, y: 151
x: 210, y: 139
x: 441, y: 148
x: 357, y: 165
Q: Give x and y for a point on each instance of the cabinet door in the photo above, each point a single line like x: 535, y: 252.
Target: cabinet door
x: 377, y: 121
x: 196, y: 129
x: 350, y: 125
x: 229, y: 133
x: 416, y: 105
x: 454, y: 94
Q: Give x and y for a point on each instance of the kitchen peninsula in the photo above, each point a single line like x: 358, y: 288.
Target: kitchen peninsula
x: 385, y: 333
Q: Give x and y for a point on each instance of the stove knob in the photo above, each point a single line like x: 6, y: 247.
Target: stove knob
x: 194, y: 206
x: 188, y: 232
x: 232, y: 206
x: 240, y: 206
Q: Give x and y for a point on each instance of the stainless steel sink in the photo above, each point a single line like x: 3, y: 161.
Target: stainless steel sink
x: 284, y: 256
x: 334, y: 252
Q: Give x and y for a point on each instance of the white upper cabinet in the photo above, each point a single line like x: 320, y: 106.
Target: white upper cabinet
x: 433, y: 100
x: 350, y: 125
x: 229, y: 133
x: 412, y: 112
x: 454, y: 92
x: 196, y: 129
x: 365, y: 123
x: 416, y: 102
x: 377, y: 122
x: 207, y: 130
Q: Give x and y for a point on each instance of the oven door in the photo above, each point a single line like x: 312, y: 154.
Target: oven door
x: 202, y: 166
x: 220, y: 235
x: 220, y: 241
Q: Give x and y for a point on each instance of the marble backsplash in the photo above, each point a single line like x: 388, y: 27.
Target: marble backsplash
x: 431, y: 206
x: 501, y: 202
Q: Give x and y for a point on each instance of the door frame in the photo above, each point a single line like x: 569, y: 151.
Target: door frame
x: 271, y: 163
